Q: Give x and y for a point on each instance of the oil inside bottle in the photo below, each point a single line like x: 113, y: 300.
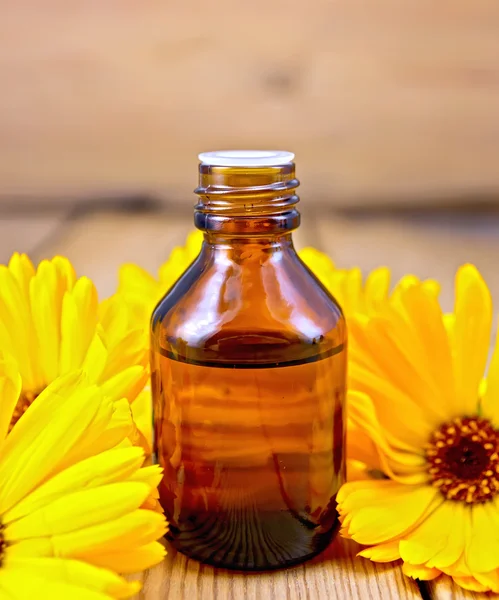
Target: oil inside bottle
x: 249, y: 430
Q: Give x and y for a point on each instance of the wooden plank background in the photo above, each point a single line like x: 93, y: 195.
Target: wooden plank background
x: 429, y: 245
x: 383, y: 102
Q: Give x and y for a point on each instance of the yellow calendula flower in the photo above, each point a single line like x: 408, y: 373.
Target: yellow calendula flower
x: 417, y: 390
x: 74, y: 497
x: 51, y: 323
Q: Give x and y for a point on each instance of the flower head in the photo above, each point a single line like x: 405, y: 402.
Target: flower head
x: 417, y: 391
x: 75, y: 501
x: 51, y: 323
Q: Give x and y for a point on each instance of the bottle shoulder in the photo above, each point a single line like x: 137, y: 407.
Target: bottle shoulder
x: 273, y: 304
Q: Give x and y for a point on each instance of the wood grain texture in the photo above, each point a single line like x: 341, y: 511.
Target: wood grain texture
x: 335, y: 575
x: 384, y: 101
x: 444, y: 588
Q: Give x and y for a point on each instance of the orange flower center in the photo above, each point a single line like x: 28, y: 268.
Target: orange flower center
x: 463, y: 460
x: 24, y: 402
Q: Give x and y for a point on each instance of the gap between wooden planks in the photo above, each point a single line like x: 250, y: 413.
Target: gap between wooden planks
x: 98, y: 242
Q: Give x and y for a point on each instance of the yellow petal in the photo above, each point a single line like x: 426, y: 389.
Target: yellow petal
x: 10, y: 389
x: 107, y: 431
x: 151, y: 475
x: 23, y: 270
x: 404, y: 424
x: 404, y: 466
x: 490, y: 580
x: 96, y: 359
x: 79, y: 510
x: 420, y: 572
x: 490, y: 398
x: 193, y: 242
x: 179, y: 260
x: 135, y: 280
x: 130, y: 350
x: 377, y: 288
x: 78, y: 323
x: 383, y: 510
x: 21, y: 584
x: 360, y: 447
x: 471, y: 336
x: 17, y: 326
x: 350, y: 293
x: 432, y: 286
x: 128, y: 383
x: 114, y: 316
x: 438, y: 541
x: 113, y: 465
x: 46, y: 295
x: 425, y: 318
x: 385, y: 340
x: 482, y: 551
x: 319, y: 263
x: 73, y: 572
x: 382, y: 553
x: 131, y: 561
x: 471, y: 584
x: 137, y: 528
x: 460, y: 568
x: 142, y: 415
x: 65, y: 272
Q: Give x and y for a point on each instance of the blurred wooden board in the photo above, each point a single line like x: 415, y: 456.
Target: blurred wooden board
x: 98, y: 242
x: 426, y: 245
x: 28, y: 232
x: 383, y: 101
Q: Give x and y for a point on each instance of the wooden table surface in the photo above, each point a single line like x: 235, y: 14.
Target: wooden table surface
x: 98, y: 241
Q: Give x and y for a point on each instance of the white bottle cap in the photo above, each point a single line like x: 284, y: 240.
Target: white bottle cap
x: 246, y: 158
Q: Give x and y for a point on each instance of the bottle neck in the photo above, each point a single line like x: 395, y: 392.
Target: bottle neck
x: 241, y: 245
x: 242, y: 202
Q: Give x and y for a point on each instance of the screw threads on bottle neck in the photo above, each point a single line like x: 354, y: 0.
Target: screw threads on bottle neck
x: 247, y: 200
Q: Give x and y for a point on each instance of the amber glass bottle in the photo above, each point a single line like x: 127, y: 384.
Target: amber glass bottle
x: 248, y: 368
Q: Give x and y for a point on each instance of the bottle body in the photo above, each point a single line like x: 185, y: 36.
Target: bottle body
x: 248, y: 360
